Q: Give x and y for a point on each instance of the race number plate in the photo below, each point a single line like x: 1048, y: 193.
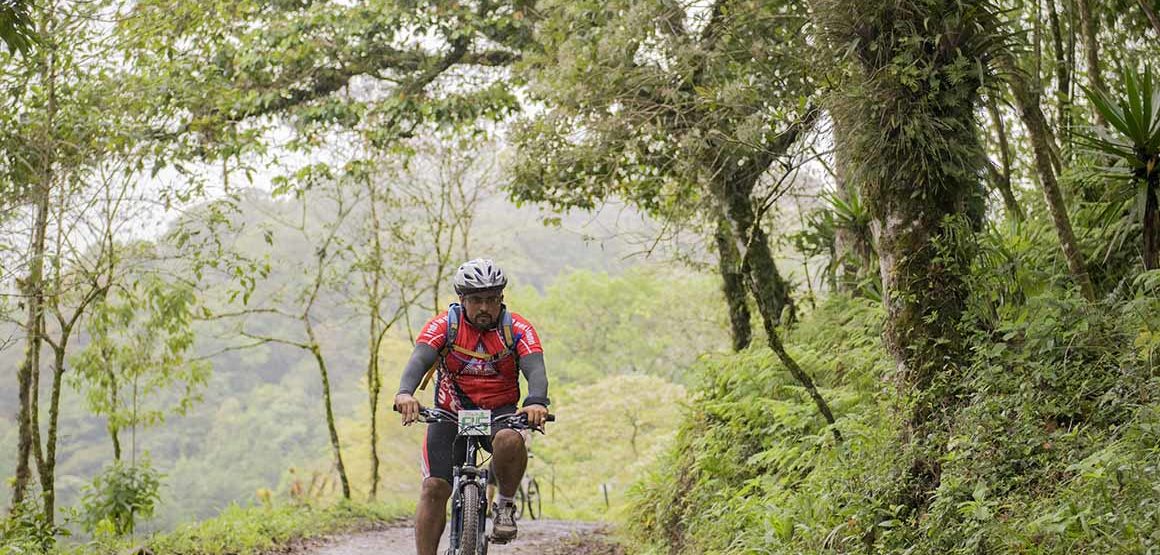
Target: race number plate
x: 475, y: 423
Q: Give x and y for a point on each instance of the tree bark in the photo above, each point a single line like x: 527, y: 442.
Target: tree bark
x: 735, y: 187
x: 1036, y: 125
x: 48, y: 465
x: 1091, y: 30
x: 28, y: 374
x: 1062, y: 77
x: 1002, y: 179
x: 733, y: 285
x: 34, y: 329
x: 1152, y: 221
x: 917, y: 150
x: 374, y: 375
x: 732, y: 186
x: 335, y: 445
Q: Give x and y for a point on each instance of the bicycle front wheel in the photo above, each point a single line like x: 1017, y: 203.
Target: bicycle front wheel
x: 471, y: 537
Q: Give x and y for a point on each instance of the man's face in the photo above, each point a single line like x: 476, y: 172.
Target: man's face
x: 482, y: 307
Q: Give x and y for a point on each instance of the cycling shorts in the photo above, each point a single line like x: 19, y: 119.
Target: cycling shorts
x: 442, y: 448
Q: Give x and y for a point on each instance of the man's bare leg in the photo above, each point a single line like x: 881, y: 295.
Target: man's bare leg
x: 510, y: 459
x: 431, y: 517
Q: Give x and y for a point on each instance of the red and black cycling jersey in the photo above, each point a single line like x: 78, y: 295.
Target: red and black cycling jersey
x: 485, y: 384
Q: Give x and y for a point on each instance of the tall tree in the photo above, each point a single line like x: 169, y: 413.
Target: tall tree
x: 659, y: 112
x: 1038, y: 132
x: 62, y: 154
x: 916, y: 147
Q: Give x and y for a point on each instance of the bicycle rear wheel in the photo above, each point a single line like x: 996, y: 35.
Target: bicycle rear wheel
x: 520, y: 501
x: 471, y: 538
x: 535, y: 504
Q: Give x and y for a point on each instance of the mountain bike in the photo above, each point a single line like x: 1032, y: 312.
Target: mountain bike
x: 469, y: 479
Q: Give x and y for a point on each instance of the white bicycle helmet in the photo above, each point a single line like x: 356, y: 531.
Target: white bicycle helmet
x: 478, y: 275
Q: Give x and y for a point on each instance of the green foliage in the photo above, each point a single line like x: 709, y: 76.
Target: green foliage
x: 607, y: 434
x: 25, y: 530
x: 1136, y: 120
x: 119, y: 496
x: 751, y: 438
x: 646, y: 321
x: 1136, y: 117
x: 250, y: 530
x: 648, y: 100
x: 16, y: 28
x: 1055, y: 450
x: 137, y: 354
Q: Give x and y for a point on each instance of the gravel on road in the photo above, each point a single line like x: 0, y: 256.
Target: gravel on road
x: 537, y: 537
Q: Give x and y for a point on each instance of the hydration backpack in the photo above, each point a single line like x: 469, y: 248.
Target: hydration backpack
x: 454, y: 315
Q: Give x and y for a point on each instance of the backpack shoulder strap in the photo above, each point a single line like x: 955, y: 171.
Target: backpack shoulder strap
x: 509, y: 337
x: 453, y: 316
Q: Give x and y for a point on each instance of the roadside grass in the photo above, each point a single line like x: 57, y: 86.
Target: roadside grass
x: 247, y: 530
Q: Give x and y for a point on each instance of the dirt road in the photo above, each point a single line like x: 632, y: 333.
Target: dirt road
x: 537, y: 537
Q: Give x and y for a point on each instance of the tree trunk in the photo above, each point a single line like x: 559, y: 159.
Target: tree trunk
x: 733, y: 189
x: 28, y: 372
x: 34, y: 326
x: 374, y: 385
x: 48, y: 465
x: 1152, y: 222
x: 733, y: 284
x: 1002, y: 179
x: 736, y: 187
x: 374, y: 375
x: 111, y: 426
x: 1062, y: 78
x: 1091, y: 30
x: 916, y: 146
x: 1036, y: 129
x: 335, y: 445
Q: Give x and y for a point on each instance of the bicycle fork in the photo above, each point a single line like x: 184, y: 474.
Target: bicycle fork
x: 461, y: 477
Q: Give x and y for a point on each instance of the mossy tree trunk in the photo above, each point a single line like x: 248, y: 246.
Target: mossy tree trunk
x: 733, y: 285
x: 732, y: 186
x: 1090, y: 26
x: 734, y: 181
x: 34, y: 333
x: 915, y: 145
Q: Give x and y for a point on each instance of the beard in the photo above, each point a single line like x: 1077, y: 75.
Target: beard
x: 483, y: 320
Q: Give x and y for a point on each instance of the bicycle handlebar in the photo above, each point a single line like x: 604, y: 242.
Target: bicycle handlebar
x: 433, y: 415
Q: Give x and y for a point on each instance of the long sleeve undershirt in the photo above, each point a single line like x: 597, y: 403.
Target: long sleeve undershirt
x: 532, y: 367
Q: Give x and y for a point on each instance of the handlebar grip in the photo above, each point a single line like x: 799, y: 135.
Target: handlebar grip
x: 550, y: 418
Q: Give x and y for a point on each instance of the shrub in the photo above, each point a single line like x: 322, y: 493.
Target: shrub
x: 118, y: 496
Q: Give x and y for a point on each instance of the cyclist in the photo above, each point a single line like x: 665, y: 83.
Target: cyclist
x: 477, y: 371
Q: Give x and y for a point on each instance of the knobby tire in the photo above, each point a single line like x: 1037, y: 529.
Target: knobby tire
x: 535, y: 503
x: 469, y: 539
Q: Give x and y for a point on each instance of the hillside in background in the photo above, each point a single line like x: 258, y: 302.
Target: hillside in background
x: 260, y: 424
